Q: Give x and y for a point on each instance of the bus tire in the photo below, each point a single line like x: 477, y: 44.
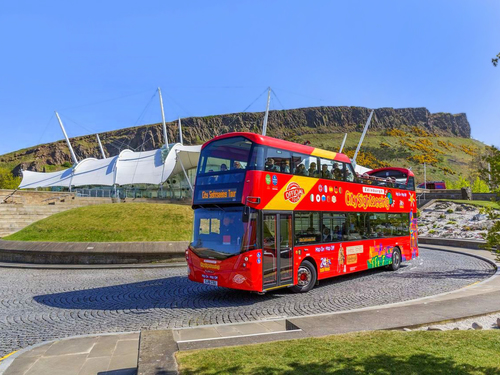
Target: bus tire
x: 396, y: 259
x: 306, y: 277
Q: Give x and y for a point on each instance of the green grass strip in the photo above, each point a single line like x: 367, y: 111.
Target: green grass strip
x: 488, y: 204
x: 380, y: 352
x: 113, y: 223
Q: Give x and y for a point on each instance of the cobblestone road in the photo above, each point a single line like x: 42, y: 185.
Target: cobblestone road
x: 40, y: 305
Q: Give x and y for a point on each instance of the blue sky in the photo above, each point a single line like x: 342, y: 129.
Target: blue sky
x: 99, y: 62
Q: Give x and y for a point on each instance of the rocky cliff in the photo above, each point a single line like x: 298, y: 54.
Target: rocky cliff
x: 285, y: 124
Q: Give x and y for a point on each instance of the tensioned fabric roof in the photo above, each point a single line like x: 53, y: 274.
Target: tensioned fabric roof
x: 146, y: 167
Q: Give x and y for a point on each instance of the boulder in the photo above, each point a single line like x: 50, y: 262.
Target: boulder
x: 434, y: 328
x: 477, y: 326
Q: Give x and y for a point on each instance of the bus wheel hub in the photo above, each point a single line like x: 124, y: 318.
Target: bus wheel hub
x: 304, y: 276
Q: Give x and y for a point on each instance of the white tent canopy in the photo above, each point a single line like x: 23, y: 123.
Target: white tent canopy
x: 128, y: 168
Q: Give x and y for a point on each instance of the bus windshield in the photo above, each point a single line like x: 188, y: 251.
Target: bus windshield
x: 224, y: 161
x: 221, y: 233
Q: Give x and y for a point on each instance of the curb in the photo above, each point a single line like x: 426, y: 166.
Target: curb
x: 91, y: 266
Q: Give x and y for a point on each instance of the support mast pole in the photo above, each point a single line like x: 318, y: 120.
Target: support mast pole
x: 185, y: 173
x: 343, y: 143
x: 163, y: 120
x: 362, y: 137
x: 73, y: 156
x: 180, y: 132
x: 100, y: 146
x: 264, y: 125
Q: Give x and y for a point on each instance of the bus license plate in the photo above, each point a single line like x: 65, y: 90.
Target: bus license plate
x: 210, y: 282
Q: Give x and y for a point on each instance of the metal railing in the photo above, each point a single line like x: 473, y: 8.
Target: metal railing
x: 134, y: 193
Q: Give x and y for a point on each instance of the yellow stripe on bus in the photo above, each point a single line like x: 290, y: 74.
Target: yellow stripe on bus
x: 280, y: 203
x: 324, y: 153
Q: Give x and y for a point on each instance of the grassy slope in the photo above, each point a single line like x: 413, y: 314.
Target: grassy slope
x: 113, y: 223
x: 382, y: 352
x: 455, y: 158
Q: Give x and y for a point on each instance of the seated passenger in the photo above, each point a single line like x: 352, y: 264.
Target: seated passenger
x: 325, y: 173
x: 301, y: 170
x: 337, y: 173
x: 337, y: 234
x: 237, y: 165
x: 326, y: 237
x: 270, y: 166
x: 223, y: 167
x: 313, y: 172
x: 285, y: 166
x: 349, y: 177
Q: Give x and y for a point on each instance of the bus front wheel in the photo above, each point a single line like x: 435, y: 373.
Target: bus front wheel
x: 306, y: 278
x: 396, y: 259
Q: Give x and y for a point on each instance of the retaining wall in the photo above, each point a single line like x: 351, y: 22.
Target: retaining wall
x: 455, y: 242
x: 91, y: 252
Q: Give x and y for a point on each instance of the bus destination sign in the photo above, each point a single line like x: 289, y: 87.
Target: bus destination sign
x: 218, y: 194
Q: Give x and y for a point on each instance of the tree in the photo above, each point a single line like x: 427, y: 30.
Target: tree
x: 495, y: 60
x: 7, y: 179
x: 480, y: 186
x: 491, y: 170
x: 493, y: 235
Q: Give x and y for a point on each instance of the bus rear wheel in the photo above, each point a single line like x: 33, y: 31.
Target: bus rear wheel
x: 306, y: 277
x: 396, y: 259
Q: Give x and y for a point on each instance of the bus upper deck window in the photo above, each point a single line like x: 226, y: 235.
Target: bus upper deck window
x: 277, y: 161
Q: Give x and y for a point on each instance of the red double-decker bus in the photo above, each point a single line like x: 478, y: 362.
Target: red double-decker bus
x: 270, y: 213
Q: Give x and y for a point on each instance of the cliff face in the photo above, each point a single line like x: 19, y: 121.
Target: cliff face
x: 284, y: 124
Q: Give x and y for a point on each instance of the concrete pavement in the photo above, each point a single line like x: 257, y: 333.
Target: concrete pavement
x: 87, y: 355
x: 59, y: 357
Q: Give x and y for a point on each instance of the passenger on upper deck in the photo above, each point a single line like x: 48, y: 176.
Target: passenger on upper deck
x: 270, y: 166
x: 223, y: 167
x: 285, y: 166
x: 237, y: 165
x: 349, y: 177
x: 337, y: 173
x: 301, y: 170
x: 313, y: 172
x: 325, y: 173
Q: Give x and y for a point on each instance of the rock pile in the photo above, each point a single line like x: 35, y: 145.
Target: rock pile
x: 453, y: 220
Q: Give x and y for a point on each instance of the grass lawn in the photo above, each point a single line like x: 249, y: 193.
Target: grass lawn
x: 113, y: 223
x: 380, y: 352
x: 489, y: 204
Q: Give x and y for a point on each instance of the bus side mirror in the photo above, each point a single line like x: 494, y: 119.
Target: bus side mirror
x: 246, y: 214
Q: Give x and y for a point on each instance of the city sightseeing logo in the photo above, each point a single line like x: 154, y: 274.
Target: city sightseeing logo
x: 293, y: 192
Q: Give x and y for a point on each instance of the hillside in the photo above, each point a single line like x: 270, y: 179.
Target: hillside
x: 402, y: 137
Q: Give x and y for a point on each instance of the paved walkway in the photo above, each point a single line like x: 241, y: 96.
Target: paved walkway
x: 90, y: 355
x: 477, y: 299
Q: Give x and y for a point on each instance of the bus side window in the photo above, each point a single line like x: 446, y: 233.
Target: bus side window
x: 355, y: 227
x: 307, y: 228
x: 379, y: 226
x: 326, y: 168
x: 311, y: 166
x: 350, y: 175
x: 257, y: 158
x: 278, y: 161
x: 338, y: 171
x: 298, y: 165
x: 411, y: 183
x: 332, y: 227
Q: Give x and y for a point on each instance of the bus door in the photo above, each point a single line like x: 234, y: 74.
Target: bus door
x: 277, y: 263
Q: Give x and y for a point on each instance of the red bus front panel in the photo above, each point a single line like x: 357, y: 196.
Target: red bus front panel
x: 234, y: 272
